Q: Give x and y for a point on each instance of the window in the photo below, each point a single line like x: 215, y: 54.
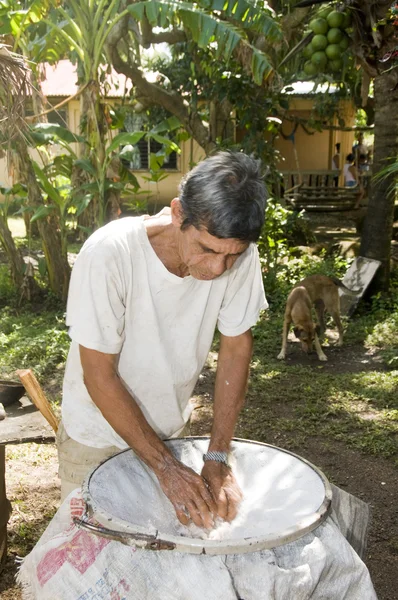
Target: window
x: 147, y: 147
x: 59, y: 116
x: 139, y: 157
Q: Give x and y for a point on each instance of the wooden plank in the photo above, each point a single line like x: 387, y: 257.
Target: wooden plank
x: 38, y: 397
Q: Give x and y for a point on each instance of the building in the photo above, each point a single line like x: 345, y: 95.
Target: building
x: 300, y: 151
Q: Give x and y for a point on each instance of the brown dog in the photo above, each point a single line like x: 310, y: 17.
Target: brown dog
x: 316, y: 291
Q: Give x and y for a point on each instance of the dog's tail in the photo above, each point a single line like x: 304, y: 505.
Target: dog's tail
x: 341, y: 285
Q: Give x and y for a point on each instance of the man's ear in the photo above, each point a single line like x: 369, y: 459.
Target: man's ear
x: 297, y: 332
x: 177, y: 216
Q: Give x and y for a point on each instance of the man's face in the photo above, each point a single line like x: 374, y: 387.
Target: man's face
x: 205, y: 255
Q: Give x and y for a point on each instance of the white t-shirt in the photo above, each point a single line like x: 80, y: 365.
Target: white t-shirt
x: 348, y: 176
x: 123, y: 300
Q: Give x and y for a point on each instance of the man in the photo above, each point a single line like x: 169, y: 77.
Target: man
x: 359, y: 148
x: 145, y: 297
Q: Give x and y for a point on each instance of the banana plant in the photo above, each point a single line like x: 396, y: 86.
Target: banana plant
x: 55, y: 178
x: 126, y: 183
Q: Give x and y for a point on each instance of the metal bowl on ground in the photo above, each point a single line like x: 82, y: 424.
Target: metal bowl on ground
x: 10, y: 392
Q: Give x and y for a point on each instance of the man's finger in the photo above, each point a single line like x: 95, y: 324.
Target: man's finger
x: 233, y: 501
x: 222, y: 504
x: 194, y: 514
x: 206, y: 515
x: 182, y: 514
x: 207, y: 497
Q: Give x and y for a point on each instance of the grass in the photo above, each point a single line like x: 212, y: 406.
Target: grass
x: 359, y: 407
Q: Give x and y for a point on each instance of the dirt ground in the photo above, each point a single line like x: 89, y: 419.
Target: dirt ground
x: 33, y: 486
x: 373, y: 480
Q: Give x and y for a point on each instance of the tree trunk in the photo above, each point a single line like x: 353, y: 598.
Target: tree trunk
x: 94, y: 127
x: 57, y: 263
x: 17, y: 265
x: 377, y: 232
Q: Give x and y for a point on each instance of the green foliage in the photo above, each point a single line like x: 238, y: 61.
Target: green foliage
x: 223, y: 32
x: 280, y: 227
x: 37, y: 341
x: 13, y: 197
x: 272, y: 244
x: 8, y: 294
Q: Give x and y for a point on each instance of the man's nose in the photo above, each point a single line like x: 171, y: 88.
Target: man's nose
x: 219, y: 265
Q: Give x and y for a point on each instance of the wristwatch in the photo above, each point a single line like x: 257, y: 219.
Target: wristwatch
x: 221, y: 457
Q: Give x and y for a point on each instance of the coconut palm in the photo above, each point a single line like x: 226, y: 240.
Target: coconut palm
x: 14, y: 87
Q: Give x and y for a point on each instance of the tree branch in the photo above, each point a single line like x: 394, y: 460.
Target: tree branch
x: 171, y: 101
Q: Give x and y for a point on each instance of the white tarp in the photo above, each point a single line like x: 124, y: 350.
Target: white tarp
x: 72, y: 564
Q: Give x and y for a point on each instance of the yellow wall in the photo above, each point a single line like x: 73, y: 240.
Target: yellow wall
x: 313, y: 152
x: 162, y: 193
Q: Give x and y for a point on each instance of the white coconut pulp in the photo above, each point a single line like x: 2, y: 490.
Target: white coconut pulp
x: 280, y: 492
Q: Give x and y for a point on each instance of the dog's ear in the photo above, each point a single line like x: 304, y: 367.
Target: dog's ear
x: 318, y: 330
x: 297, y: 332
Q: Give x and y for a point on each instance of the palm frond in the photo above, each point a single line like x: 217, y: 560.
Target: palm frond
x: 14, y: 88
x: 206, y: 27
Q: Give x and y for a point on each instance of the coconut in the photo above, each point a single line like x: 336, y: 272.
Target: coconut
x: 319, y: 42
x: 319, y: 59
x: 345, y: 42
x: 308, y: 51
x: 335, y: 19
x: 335, y: 35
x: 333, y: 51
x: 335, y: 65
x: 319, y: 26
x: 347, y: 20
x: 323, y: 12
x: 310, y: 68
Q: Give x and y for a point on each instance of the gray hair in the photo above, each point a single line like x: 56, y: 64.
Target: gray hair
x: 226, y: 195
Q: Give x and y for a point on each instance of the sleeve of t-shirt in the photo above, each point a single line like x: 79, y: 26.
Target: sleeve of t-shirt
x: 244, y: 297
x: 95, y: 309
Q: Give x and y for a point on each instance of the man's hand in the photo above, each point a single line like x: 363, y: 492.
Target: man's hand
x: 224, y: 489
x: 188, y: 493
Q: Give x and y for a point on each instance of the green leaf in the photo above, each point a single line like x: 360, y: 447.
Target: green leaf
x: 46, y: 185
x: 41, y: 212
x: 170, y: 124
x: 170, y: 146
x: 86, y: 165
x: 155, y: 162
x: 82, y: 204
x: 54, y: 132
x: 122, y: 139
x: 260, y: 66
x: 42, y: 266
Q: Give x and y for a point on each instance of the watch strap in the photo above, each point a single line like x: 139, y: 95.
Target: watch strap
x: 221, y: 457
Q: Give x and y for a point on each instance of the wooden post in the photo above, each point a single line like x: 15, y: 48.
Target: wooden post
x: 36, y: 394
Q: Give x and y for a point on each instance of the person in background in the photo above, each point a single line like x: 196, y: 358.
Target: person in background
x: 351, y: 177
x: 336, y: 166
x: 359, y: 148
